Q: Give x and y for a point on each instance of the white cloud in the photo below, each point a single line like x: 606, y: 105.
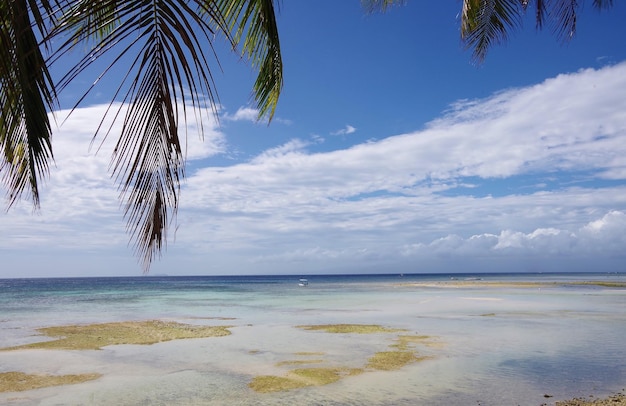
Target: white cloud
x: 607, y: 233
x: 379, y: 195
x: 252, y: 115
x: 293, y: 147
x: 583, y: 128
x: 417, y: 198
x: 243, y: 114
x: 348, y: 129
x: 80, y: 202
x: 604, y: 236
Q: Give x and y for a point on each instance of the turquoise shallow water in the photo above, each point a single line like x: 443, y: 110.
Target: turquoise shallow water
x: 500, y: 345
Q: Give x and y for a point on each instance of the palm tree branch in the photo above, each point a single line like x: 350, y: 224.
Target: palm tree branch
x: 372, y: 6
x: 602, y: 4
x: 28, y: 93
x: 540, y: 13
x: 487, y: 22
x: 564, y: 17
x: 253, y: 23
x: 170, y: 69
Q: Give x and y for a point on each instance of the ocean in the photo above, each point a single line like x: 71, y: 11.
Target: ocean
x: 491, y: 339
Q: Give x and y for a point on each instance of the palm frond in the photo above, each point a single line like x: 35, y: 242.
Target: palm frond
x: 564, y: 17
x: 563, y: 14
x: 90, y: 20
x: 602, y: 4
x: 372, y: 6
x: 541, y: 13
x: 170, y: 68
x: 488, y: 22
x: 253, y: 22
x: 27, y: 95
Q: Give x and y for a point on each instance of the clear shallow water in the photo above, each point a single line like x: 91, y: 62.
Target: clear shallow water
x: 498, y: 345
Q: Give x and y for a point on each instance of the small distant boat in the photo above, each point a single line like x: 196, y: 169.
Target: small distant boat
x: 303, y: 282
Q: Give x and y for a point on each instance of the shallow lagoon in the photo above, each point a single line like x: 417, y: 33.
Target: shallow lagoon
x: 503, y: 344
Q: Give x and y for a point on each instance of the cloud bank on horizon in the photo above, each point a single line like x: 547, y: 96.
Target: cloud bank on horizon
x: 528, y: 179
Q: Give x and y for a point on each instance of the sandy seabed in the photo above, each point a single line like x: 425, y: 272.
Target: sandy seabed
x: 414, y: 344
x: 614, y: 400
x: 402, y: 350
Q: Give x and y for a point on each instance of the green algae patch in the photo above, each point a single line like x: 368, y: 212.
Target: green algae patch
x: 19, y: 381
x: 351, y: 328
x: 300, y: 378
x: 406, y: 342
x: 299, y: 362
x: 310, y: 353
x: 402, y: 352
x: 271, y: 383
x: 96, y: 336
x: 604, y: 284
x: 392, y: 360
x: 324, y: 376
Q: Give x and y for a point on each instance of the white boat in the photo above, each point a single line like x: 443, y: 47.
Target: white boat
x: 303, y: 282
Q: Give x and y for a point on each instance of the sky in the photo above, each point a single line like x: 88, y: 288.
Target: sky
x: 390, y: 152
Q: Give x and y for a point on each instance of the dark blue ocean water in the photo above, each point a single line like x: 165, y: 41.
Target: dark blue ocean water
x: 18, y: 288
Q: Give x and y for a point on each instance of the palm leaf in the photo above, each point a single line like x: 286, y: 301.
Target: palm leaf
x: 602, y: 4
x: 168, y: 39
x: 540, y: 13
x: 253, y: 23
x: 488, y: 22
x: 27, y: 94
x: 170, y: 68
x: 563, y: 14
x: 372, y: 6
x: 485, y: 23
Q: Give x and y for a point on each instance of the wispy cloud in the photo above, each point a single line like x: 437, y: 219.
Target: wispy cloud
x: 403, y: 201
x: 243, y: 114
x: 380, y: 195
x: 252, y: 115
x: 348, y: 129
x: 80, y: 206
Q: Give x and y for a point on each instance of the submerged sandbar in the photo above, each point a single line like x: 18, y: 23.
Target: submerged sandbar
x: 96, y: 336
x: 19, y: 381
x: 510, y: 284
x: 401, y: 352
x: 350, y: 328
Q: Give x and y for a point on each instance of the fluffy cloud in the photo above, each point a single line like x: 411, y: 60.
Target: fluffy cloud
x: 80, y: 206
x: 605, y: 236
x: 512, y: 176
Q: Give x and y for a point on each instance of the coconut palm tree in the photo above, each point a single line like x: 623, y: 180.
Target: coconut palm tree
x: 170, y: 44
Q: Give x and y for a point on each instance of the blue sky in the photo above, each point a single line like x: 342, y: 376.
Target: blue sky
x: 389, y: 152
